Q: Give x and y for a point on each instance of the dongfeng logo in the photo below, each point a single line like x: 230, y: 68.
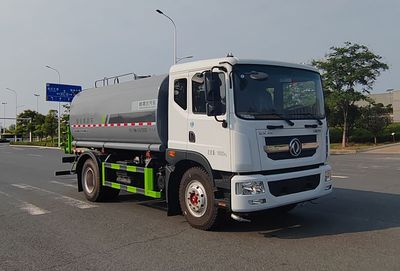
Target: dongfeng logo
x: 295, y: 147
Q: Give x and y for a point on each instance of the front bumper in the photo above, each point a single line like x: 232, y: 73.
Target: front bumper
x: 263, y: 201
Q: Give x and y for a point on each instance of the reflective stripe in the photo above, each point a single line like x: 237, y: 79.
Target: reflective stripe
x: 148, y: 179
x: 128, y: 124
x: 131, y: 168
x: 116, y: 185
x: 115, y: 166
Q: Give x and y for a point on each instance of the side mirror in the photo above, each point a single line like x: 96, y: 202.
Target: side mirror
x: 213, y: 96
x: 212, y: 86
x: 213, y: 109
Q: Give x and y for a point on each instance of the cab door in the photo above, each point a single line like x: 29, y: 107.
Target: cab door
x: 178, y: 111
x: 206, y: 135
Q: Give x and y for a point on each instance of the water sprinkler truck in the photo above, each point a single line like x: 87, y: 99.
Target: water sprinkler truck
x: 211, y: 137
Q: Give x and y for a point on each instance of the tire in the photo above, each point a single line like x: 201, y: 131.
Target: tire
x: 196, y: 198
x: 91, y: 184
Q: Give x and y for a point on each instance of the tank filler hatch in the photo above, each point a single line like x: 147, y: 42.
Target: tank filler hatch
x: 116, y: 79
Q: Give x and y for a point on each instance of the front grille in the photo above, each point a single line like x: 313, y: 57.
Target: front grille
x: 295, y: 185
x: 282, y: 142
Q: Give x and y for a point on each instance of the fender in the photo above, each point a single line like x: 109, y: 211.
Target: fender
x: 181, y: 155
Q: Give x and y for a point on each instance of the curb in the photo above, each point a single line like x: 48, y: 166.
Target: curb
x: 37, y: 147
x: 338, y: 152
x: 380, y: 147
x: 342, y: 152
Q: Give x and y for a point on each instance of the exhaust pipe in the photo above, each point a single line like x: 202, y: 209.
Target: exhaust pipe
x: 239, y: 218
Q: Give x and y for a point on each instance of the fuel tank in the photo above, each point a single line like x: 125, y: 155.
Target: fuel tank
x: 133, y: 113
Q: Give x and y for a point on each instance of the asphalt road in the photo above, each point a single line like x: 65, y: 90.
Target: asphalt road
x: 45, y: 224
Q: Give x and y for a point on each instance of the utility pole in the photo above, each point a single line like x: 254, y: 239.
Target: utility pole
x: 4, y: 117
x: 37, y: 102
x: 16, y: 111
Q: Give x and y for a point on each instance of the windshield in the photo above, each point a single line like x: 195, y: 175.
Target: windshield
x: 275, y: 92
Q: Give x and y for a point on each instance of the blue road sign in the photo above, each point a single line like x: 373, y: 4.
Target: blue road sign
x: 61, y: 93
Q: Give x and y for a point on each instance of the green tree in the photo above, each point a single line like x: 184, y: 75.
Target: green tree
x: 375, y: 117
x: 29, y: 121
x: 348, y: 72
x: 38, y: 123
x: 50, y: 124
x: 11, y: 129
x: 64, y: 122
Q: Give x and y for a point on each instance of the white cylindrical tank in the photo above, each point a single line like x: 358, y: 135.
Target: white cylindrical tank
x: 126, y: 115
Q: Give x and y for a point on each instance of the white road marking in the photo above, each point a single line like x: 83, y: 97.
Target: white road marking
x: 340, y: 177
x: 65, y: 199
x: 64, y: 184
x: 32, y: 209
x: 26, y: 206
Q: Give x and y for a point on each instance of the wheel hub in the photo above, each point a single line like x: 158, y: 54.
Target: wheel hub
x: 196, y: 199
x: 89, y: 180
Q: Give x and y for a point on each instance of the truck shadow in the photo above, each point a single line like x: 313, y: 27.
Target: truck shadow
x: 142, y: 200
x: 343, y: 211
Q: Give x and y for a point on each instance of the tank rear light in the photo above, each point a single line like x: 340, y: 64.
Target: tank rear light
x: 171, y: 153
x: 148, y: 155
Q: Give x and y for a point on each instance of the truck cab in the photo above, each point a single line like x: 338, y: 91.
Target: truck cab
x: 259, y: 127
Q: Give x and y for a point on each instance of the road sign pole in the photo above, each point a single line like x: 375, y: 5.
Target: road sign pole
x: 59, y: 125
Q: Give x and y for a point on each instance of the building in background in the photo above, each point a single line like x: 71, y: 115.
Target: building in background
x: 389, y: 97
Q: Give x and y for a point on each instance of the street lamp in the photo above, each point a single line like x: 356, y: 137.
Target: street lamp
x: 59, y: 107
x: 37, y: 102
x: 4, y: 115
x: 172, y: 21
x: 16, y: 113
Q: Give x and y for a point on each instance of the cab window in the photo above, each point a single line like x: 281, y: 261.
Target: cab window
x: 198, y: 93
x: 180, y: 92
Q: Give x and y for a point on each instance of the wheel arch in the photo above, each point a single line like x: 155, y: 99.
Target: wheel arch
x: 81, y: 161
x: 178, y: 165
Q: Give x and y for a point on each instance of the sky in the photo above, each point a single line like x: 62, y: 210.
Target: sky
x: 88, y: 40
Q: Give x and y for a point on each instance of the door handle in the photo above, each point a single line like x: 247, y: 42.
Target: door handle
x: 192, y: 137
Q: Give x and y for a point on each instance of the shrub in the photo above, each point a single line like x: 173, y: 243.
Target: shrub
x: 360, y: 135
x: 335, y: 134
x: 386, y: 134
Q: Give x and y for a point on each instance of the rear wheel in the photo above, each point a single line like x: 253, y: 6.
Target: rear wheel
x: 91, y: 184
x: 196, y: 197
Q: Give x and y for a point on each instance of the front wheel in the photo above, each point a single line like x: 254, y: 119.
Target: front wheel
x: 196, y: 198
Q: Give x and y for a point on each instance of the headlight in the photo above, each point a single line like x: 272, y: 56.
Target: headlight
x: 328, y: 176
x: 250, y: 188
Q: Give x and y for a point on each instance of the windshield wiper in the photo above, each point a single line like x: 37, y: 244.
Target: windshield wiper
x: 280, y: 116
x: 311, y: 115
